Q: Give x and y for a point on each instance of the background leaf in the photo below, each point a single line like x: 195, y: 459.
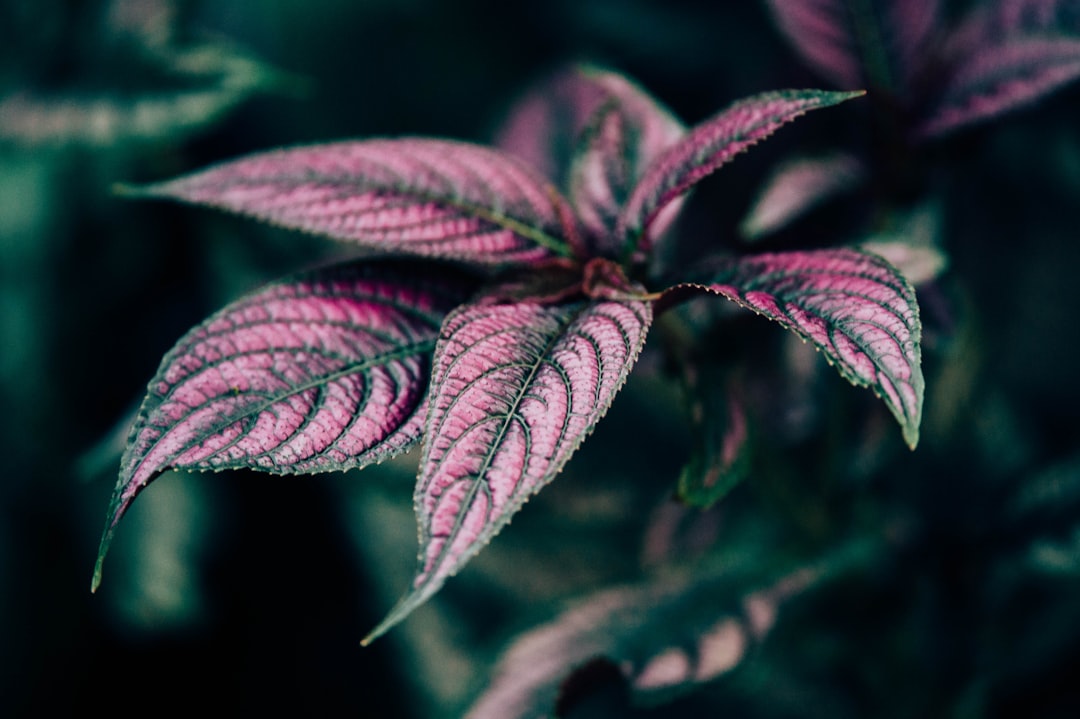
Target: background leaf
x: 322, y: 373
x: 426, y: 197
x: 878, y: 44
x: 708, y: 147
x: 797, y: 187
x: 997, y: 78
x: 515, y: 390
x: 853, y: 306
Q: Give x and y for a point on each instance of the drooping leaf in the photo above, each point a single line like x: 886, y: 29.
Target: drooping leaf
x: 720, y: 457
x: 418, y: 196
x: 998, y: 78
x: 627, y: 133
x: 515, y: 389
x: 859, y: 43
x: 325, y: 372
x: 709, y: 146
x: 796, y: 188
x: 855, y: 307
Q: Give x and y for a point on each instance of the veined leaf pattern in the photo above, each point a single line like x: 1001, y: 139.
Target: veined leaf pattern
x: 709, y: 146
x: 514, y: 391
x: 326, y: 372
x: 853, y: 306
x: 436, y: 198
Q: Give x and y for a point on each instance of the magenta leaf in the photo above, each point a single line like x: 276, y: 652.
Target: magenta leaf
x: 514, y: 391
x: 709, y: 146
x: 419, y: 196
x: 998, y: 78
x: 859, y: 43
x: 322, y: 373
x: 854, y: 307
x: 796, y: 188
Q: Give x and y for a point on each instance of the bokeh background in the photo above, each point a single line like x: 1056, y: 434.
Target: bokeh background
x: 247, y: 592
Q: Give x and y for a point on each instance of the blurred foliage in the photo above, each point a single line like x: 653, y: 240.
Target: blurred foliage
x: 252, y: 591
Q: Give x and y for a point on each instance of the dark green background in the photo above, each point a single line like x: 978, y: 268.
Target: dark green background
x: 267, y: 593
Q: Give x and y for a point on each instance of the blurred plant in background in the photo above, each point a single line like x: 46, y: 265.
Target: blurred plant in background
x: 841, y: 576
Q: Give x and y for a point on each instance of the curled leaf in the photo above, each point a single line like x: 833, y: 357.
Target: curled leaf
x: 855, y: 307
x: 709, y: 146
x: 419, y: 196
x: 321, y: 373
x: 515, y: 389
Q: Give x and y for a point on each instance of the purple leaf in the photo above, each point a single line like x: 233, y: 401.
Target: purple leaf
x: 627, y: 133
x: 854, y: 307
x: 515, y: 389
x: 322, y: 373
x: 796, y: 188
x: 872, y: 43
x: 709, y: 146
x: 998, y: 78
x: 418, y: 196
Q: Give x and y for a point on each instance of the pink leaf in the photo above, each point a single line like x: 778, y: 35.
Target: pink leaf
x: 796, y: 188
x: 322, y: 373
x: 996, y: 79
x: 854, y: 307
x: 418, y: 196
x: 709, y: 146
x: 595, y: 131
x: 515, y: 389
x: 628, y: 132
x: 872, y: 43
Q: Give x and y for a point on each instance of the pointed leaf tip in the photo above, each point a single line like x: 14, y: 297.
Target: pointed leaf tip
x: 325, y: 372
x: 855, y: 307
x: 418, y: 196
x: 709, y: 146
x: 515, y: 390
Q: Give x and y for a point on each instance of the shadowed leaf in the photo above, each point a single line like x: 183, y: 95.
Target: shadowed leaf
x: 853, y: 306
x: 709, y: 146
x: 627, y: 133
x: 720, y: 457
x: 663, y: 636
x: 322, y: 373
x: 998, y: 78
x: 859, y: 43
x: 206, y: 82
x: 796, y: 188
x: 419, y: 196
x: 515, y: 389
